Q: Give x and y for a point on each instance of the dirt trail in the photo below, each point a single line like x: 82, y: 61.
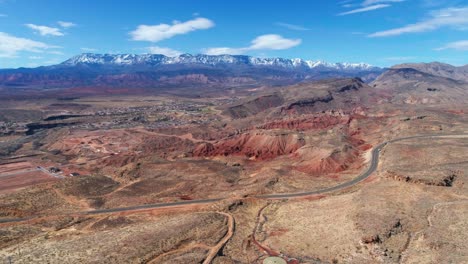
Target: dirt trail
x: 182, y: 249
x: 260, y: 221
x: 214, y: 250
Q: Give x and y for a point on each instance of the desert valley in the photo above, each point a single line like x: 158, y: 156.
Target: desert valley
x: 373, y: 171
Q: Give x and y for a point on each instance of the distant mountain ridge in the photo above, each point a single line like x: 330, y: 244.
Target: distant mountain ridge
x: 212, y: 60
x: 156, y: 71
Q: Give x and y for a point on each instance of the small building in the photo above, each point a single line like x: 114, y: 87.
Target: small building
x: 54, y: 169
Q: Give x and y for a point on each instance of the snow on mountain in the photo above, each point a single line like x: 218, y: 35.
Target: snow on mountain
x: 212, y: 60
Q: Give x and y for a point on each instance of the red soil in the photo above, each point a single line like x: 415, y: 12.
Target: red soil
x: 278, y: 232
x: 17, y: 165
x: 314, y: 197
x: 13, y: 182
x: 456, y: 112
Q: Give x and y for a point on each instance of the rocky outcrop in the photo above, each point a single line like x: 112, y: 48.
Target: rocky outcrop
x: 445, y: 181
x: 356, y: 84
x: 309, y: 102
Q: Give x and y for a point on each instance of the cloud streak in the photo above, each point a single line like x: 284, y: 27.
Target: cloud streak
x: 263, y: 42
x: 364, y: 9
x: 367, y: 5
x: 373, y: 2
x: 292, y: 26
x: 449, y: 17
x: 45, y: 31
x: 65, y: 24
x: 11, y: 45
x: 457, y: 45
x: 156, y: 33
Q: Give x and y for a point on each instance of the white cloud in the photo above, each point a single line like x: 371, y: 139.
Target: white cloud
x: 44, y: 30
x: 225, y: 50
x: 65, y: 24
x: 373, y: 2
x: 164, y: 51
x: 264, y: 42
x: 457, y: 45
x: 11, y: 45
x: 364, y: 9
x: 88, y: 49
x: 273, y: 42
x: 291, y: 26
x: 35, y: 57
x: 155, y: 33
x: 448, y: 17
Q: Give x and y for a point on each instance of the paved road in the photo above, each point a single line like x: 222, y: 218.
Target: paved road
x: 373, y: 166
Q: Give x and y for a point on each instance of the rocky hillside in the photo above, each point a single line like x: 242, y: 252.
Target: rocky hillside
x: 306, y: 98
x: 425, y: 83
x: 438, y: 69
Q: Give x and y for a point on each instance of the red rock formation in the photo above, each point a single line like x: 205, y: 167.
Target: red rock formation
x: 258, y: 145
x: 337, y: 161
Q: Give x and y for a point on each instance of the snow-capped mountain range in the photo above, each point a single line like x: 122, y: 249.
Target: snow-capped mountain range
x: 156, y: 71
x: 211, y: 60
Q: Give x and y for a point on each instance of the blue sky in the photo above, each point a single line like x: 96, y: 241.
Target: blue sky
x: 379, y: 32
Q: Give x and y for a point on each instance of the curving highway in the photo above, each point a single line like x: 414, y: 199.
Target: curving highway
x: 371, y: 169
x: 373, y: 166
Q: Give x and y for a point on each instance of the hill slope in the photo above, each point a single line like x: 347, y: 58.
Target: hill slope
x: 425, y: 83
